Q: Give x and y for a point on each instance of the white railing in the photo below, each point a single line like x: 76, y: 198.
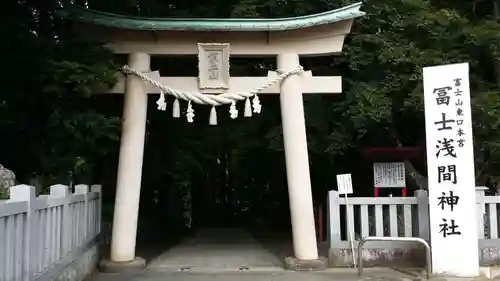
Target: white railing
x: 40, y: 236
x: 381, y: 216
x: 400, y: 217
x: 487, y: 226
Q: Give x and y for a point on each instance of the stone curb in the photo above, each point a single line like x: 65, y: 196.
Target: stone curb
x: 108, y: 266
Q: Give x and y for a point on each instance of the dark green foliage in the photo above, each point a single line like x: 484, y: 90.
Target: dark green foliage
x: 50, y: 126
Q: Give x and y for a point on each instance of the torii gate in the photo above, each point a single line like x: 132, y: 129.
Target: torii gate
x: 214, y: 40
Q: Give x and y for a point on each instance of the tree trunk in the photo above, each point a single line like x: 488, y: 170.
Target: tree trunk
x: 415, y: 176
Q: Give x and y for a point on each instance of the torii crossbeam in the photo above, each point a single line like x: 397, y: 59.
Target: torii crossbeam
x: 214, y: 40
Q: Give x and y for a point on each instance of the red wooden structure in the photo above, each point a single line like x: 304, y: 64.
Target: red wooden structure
x: 390, y: 154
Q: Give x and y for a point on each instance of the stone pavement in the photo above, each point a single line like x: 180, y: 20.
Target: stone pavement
x: 234, y: 254
x: 345, y: 274
x: 217, y: 249
x: 256, y: 275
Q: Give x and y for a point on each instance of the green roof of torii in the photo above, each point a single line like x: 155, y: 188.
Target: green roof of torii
x: 82, y: 14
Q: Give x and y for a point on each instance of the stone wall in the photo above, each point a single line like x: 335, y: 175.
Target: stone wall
x: 488, y: 256
x: 82, y: 267
x: 379, y: 257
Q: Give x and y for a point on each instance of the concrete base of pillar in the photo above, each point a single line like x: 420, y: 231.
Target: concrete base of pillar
x: 292, y: 263
x: 108, y: 266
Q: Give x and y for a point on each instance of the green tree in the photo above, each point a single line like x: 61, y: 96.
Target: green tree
x: 52, y: 126
x: 382, y: 69
x: 47, y: 121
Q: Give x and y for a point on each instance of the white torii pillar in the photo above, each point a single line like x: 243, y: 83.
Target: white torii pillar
x: 291, y: 93
x: 297, y: 161
x: 128, y: 186
x: 323, y: 35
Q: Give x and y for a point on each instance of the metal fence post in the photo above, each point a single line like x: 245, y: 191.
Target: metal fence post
x: 25, y: 193
x: 428, y: 256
